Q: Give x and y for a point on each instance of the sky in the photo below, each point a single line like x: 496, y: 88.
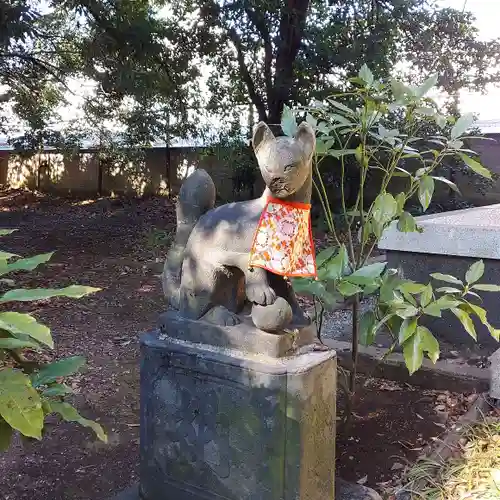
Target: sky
x: 487, y: 13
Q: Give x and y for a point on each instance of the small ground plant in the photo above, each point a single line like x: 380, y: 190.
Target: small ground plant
x: 31, y: 389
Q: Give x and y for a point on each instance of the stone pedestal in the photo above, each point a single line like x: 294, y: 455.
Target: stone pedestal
x: 450, y: 243
x: 495, y: 375
x: 219, y: 423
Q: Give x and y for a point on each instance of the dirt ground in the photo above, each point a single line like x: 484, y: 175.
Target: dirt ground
x: 118, y: 245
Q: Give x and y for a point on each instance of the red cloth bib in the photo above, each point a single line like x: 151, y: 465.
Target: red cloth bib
x: 283, y: 241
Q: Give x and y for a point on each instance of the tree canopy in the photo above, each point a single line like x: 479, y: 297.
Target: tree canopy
x: 155, y: 63
x: 273, y: 52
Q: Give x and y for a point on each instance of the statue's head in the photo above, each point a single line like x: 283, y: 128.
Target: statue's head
x: 284, y: 162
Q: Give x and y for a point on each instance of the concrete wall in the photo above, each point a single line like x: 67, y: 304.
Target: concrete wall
x: 490, y: 157
x: 163, y: 170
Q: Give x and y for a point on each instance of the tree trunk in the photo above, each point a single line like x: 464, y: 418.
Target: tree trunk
x: 293, y: 20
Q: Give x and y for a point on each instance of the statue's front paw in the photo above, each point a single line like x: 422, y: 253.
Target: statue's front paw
x: 260, y: 293
x: 221, y: 316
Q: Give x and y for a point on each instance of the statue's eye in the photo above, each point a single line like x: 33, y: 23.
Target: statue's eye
x: 288, y: 167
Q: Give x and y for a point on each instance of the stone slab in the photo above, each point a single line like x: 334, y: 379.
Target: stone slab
x: 222, y: 424
x: 343, y: 491
x: 418, y: 267
x: 495, y: 375
x: 474, y: 232
x: 446, y: 375
x: 245, y: 336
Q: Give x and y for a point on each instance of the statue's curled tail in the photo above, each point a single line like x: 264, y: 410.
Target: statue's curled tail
x: 196, y: 197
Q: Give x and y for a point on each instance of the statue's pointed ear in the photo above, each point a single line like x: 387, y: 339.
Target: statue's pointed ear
x: 306, y: 137
x: 261, y: 134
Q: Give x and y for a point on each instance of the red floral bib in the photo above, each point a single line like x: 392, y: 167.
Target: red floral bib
x: 283, y: 241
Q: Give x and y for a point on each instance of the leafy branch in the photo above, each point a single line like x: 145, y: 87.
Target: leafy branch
x: 32, y: 390
x: 357, y: 125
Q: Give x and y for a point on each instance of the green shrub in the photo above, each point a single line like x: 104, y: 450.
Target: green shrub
x: 31, y: 390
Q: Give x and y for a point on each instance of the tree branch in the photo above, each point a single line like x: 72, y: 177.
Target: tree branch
x: 259, y: 22
x: 245, y: 75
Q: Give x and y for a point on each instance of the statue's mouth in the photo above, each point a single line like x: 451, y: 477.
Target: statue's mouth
x: 279, y: 186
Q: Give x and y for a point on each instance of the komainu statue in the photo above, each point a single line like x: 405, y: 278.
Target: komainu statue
x: 207, y: 274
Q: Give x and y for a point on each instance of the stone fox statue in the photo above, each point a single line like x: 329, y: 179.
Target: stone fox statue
x: 206, y: 274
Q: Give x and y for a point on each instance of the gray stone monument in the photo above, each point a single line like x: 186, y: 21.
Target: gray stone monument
x: 237, y: 396
x: 449, y: 244
x: 228, y: 410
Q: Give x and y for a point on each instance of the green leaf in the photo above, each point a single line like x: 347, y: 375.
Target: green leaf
x: 367, y: 274
x: 466, y: 321
x: 337, y: 266
x: 323, y: 146
x: 324, y: 255
x: 448, y: 289
x: 495, y: 333
x: 482, y: 315
x: 366, y: 328
x: 53, y: 371
x: 429, y: 343
x: 478, y: 311
x: 341, y: 107
x: 399, y: 90
x: 408, y: 328
x: 452, y: 185
x: 57, y: 390
x: 24, y: 324
x: 426, y: 296
x: 486, y: 288
x: 462, y: 125
x: 411, y: 287
x: 447, y: 278
x: 70, y: 414
x: 435, y: 308
x: 400, y: 201
x: 311, y: 120
x: 407, y: 223
x: 347, y: 289
x: 314, y: 288
x: 20, y: 404
x: 425, y: 191
x: 385, y: 208
x: 475, y: 166
x: 441, y: 120
x: 288, y: 122
x: 406, y: 311
x: 366, y: 75
x: 27, y: 264
x: 475, y: 272
x: 10, y: 343
x: 5, y: 435
x: 6, y: 232
x: 413, y: 350
x: 28, y: 295
x: 6, y: 256
x: 390, y: 281
x: 426, y: 86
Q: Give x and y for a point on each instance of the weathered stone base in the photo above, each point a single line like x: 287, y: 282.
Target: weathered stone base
x: 220, y: 424
x: 343, y: 491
